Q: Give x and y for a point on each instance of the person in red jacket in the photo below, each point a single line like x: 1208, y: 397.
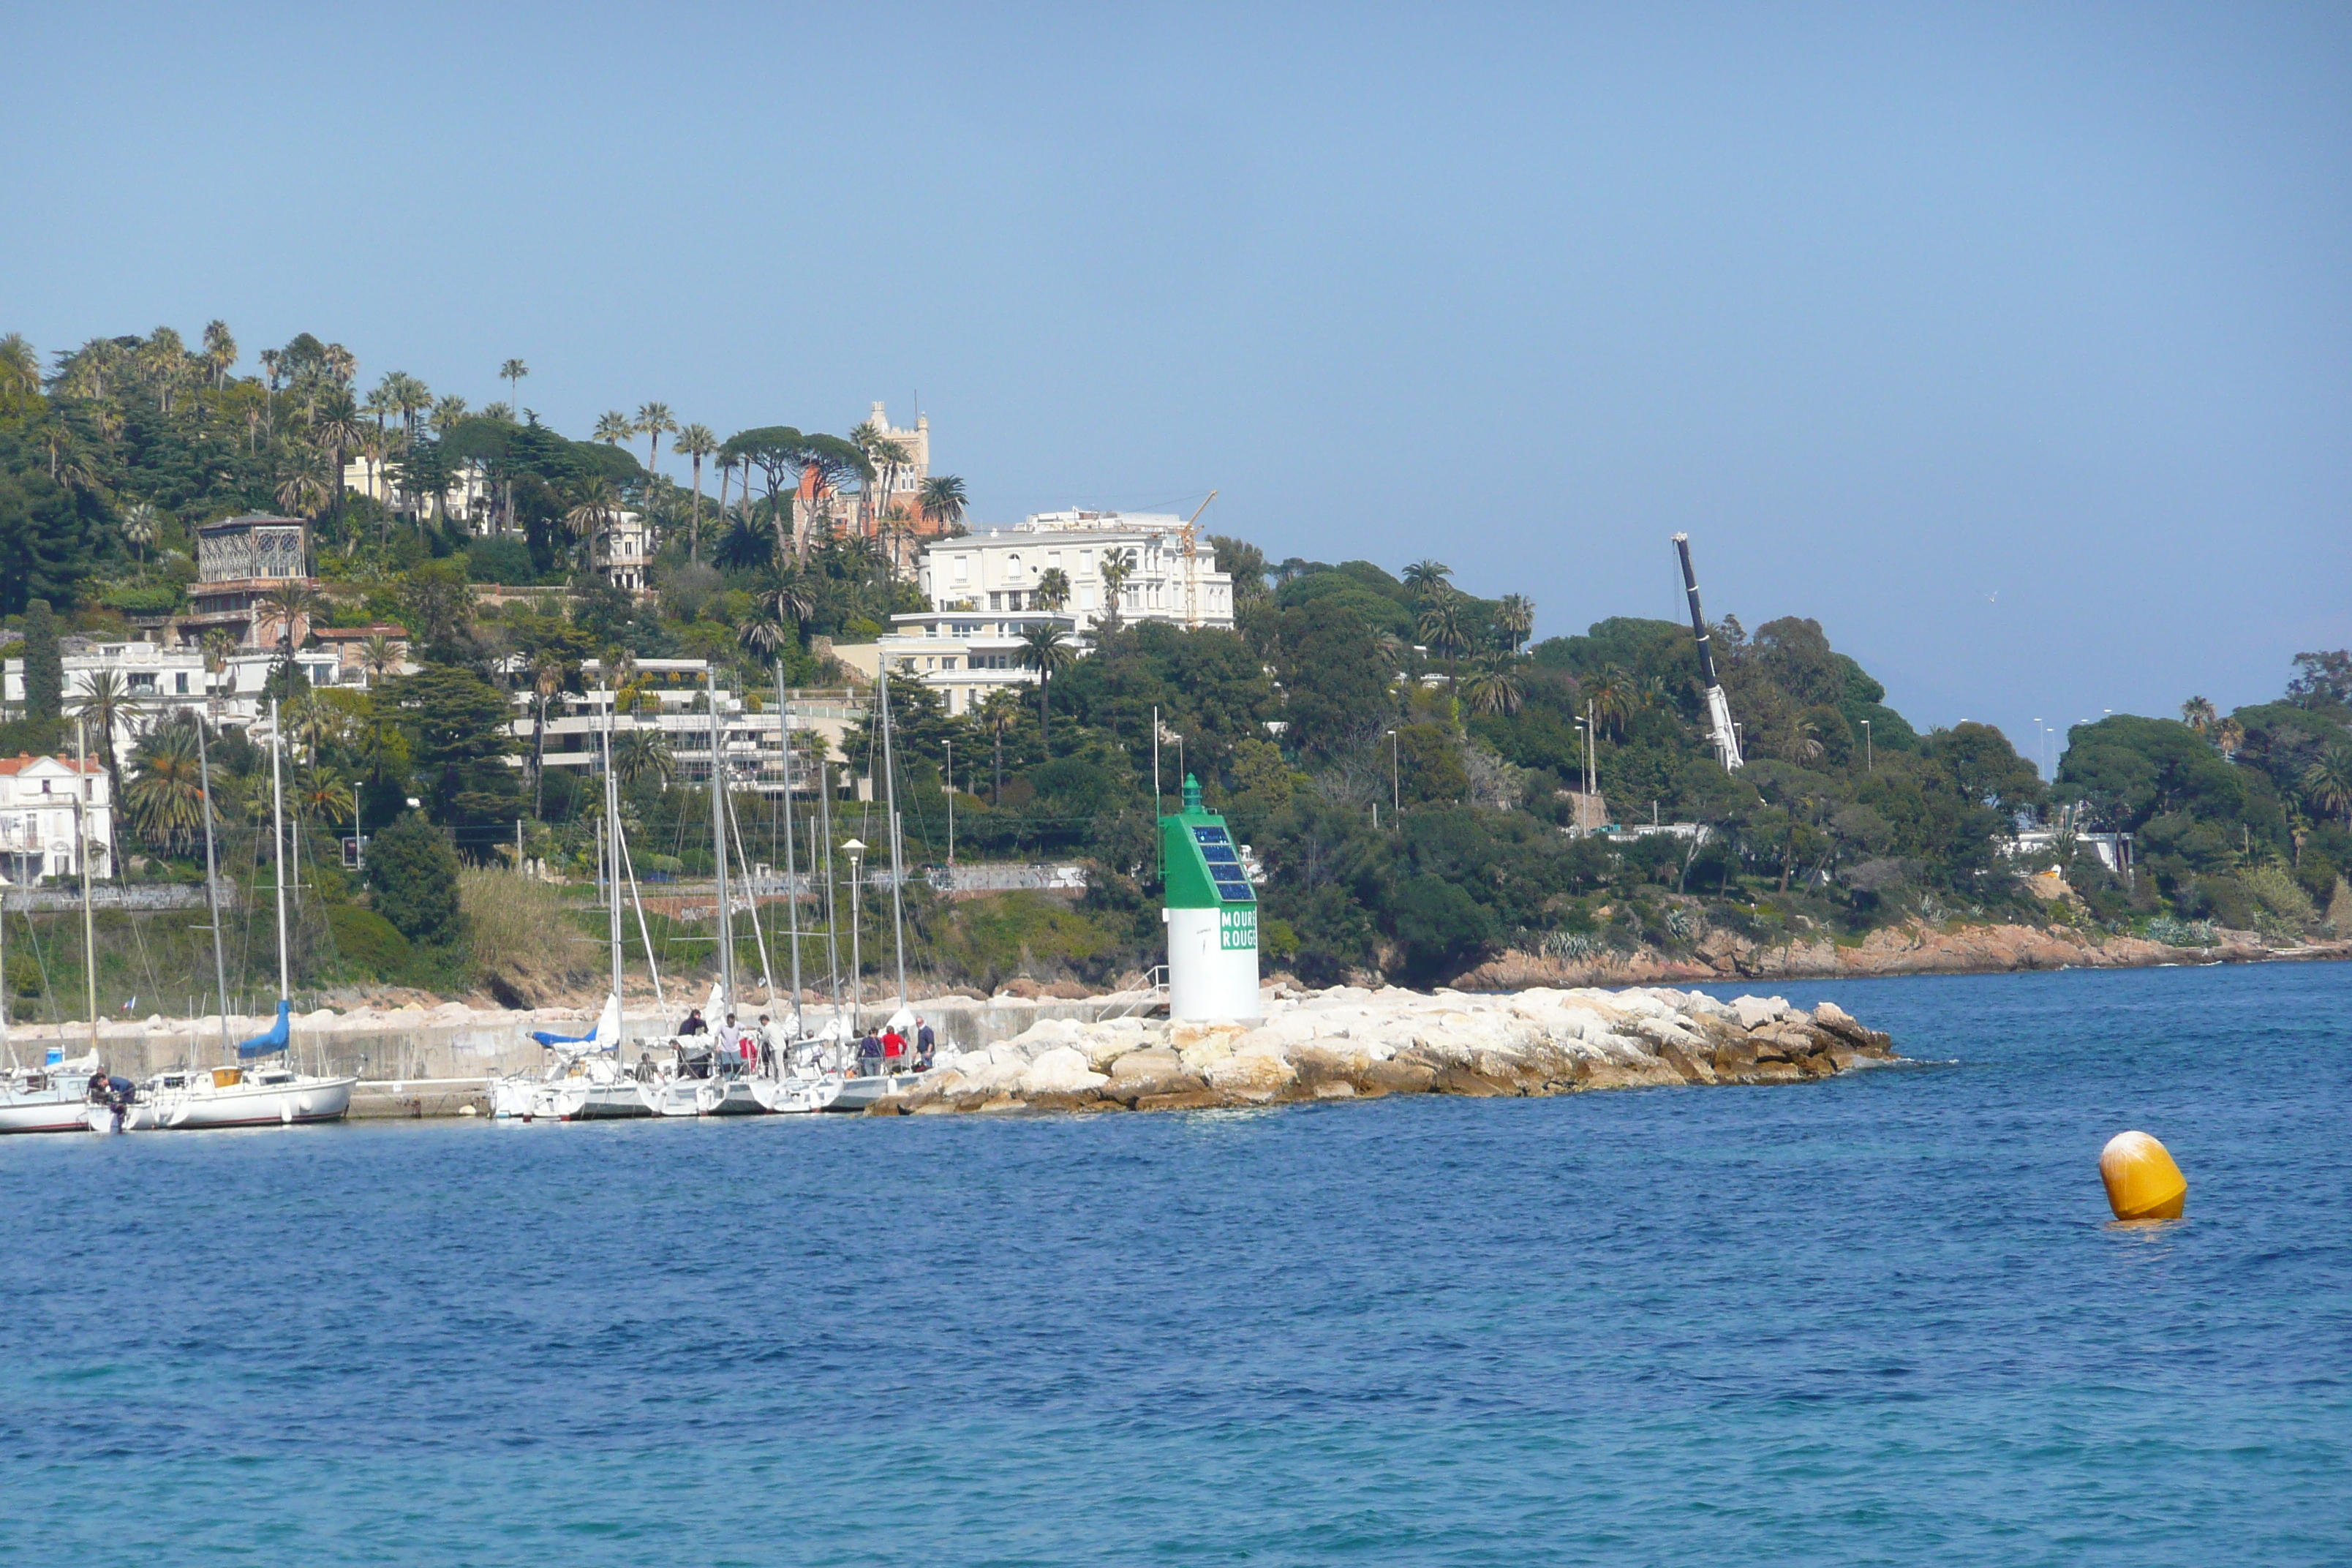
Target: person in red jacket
x: 894, y: 1049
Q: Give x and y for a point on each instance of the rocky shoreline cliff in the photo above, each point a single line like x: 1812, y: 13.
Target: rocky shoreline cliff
x: 1916, y: 948
x: 1349, y: 1043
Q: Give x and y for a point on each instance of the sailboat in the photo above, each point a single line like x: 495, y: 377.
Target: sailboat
x: 271, y: 1093
x: 582, y: 1079
x: 857, y: 1093
x: 52, y: 1097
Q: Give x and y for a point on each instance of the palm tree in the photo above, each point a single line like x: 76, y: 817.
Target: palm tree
x: 166, y: 799
x: 697, y: 442
x: 447, y: 409
x: 325, y: 797
x: 1427, y: 578
x: 1052, y: 589
x: 1441, y: 626
x: 106, y: 703
x: 2229, y: 735
x: 592, y: 514
x: 547, y: 677
x: 140, y: 526
x: 653, y: 421
x: 512, y: 373
x: 998, y: 712
x: 2329, y: 781
x: 1045, y: 649
x: 220, y: 351
x: 293, y: 605
x: 1613, y: 697
x: 1495, y: 686
x: 2200, y: 714
x: 613, y: 427
x: 942, y: 502
x: 784, y: 596
x: 884, y: 457
x: 302, y: 492
x: 20, y: 369
x: 637, y: 752
x: 1516, y: 617
x: 1118, y: 567
x: 379, y: 658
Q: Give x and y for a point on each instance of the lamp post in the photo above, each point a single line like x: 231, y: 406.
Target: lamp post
x: 1396, y: 780
x: 856, y: 886
x: 950, y: 810
x: 1583, y: 773
x: 1869, y: 752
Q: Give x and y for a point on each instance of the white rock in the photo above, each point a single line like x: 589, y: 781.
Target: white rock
x: 1754, y: 1012
x: 1061, y: 1070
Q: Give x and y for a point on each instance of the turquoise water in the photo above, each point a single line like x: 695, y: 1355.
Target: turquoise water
x: 1878, y: 1320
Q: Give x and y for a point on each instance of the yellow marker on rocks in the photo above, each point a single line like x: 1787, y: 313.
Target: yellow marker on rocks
x: 2142, y: 1181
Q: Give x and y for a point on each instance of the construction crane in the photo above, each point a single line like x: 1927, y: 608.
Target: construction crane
x: 1724, y: 734
x: 1190, y: 533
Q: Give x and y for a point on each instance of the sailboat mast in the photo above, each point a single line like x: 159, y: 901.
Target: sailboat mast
x: 792, y: 872
x: 890, y: 804
x: 278, y: 841
x: 719, y: 842
x: 611, y: 842
x: 81, y: 831
x: 212, y: 887
x: 832, y: 924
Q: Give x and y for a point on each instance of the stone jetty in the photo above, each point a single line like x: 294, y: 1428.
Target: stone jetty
x: 1351, y: 1043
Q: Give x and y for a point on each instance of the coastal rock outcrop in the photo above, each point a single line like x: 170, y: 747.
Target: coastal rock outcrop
x: 1349, y: 1043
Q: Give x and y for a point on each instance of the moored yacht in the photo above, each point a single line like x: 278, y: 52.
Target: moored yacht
x: 52, y: 1098
x: 582, y: 1080
x: 273, y: 1094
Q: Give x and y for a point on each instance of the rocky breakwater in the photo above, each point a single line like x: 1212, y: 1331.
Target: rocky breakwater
x: 1350, y: 1043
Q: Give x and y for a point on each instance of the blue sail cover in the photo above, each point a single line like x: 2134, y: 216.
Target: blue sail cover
x: 269, y: 1044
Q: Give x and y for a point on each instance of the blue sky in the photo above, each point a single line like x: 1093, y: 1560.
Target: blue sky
x: 2010, y: 343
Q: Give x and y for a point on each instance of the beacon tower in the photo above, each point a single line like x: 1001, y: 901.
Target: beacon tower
x: 1211, y: 917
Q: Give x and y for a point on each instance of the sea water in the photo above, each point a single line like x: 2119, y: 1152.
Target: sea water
x: 1882, y: 1319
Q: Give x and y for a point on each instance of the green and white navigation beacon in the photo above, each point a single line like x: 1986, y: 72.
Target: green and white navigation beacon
x: 1210, y: 914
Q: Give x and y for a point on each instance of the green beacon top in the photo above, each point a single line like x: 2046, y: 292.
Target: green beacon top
x: 1203, y: 868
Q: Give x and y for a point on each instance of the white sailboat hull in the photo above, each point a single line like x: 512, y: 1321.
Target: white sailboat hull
x: 569, y: 1100
x: 44, y: 1110
x: 204, y: 1105
x: 857, y: 1093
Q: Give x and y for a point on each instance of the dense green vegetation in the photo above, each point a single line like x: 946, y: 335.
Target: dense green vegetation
x: 1399, y: 756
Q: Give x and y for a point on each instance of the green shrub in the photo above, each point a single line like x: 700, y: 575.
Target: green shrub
x: 143, y: 598
x: 368, y: 941
x: 414, y: 874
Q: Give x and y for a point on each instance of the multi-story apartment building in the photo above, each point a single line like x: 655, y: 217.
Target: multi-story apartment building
x: 668, y: 695
x: 161, y: 681
x: 988, y: 589
x: 39, y: 800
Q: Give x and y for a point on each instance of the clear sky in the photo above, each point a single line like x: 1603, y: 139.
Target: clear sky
x: 2011, y: 343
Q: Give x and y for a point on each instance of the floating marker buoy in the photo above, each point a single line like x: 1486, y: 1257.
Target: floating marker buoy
x: 2142, y: 1181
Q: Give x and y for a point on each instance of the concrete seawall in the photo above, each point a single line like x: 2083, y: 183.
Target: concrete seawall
x: 432, y: 1061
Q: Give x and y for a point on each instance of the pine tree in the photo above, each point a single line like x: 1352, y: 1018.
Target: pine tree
x: 414, y: 874
x: 45, y: 669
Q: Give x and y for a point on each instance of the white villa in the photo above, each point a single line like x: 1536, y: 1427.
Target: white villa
x: 985, y: 592
x: 161, y: 681
x: 38, y: 800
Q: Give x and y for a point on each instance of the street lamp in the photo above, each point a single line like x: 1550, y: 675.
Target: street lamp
x: 1396, y: 786
x: 856, y: 853
x: 1869, y: 752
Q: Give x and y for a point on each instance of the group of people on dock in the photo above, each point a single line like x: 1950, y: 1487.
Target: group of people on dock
x: 755, y: 1048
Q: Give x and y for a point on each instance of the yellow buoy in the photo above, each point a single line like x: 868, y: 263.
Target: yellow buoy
x: 2142, y: 1181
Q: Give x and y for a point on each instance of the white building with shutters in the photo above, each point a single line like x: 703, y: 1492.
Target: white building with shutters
x: 988, y: 588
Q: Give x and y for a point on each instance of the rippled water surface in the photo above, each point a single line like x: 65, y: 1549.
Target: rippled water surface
x: 1882, y: 1319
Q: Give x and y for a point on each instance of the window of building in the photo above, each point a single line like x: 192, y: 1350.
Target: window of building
x: 996, y: 601
x: 1013, y: 566
x: 180, y: 683
x: 962, y: 570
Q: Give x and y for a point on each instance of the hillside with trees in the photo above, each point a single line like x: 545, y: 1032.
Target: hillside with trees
x: 1404, y: 760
